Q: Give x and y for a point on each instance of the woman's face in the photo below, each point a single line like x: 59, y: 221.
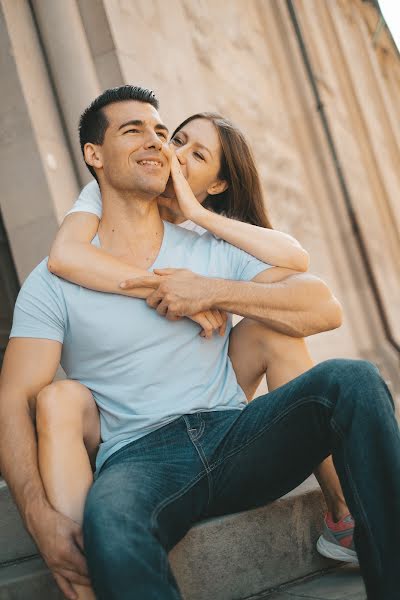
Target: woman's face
x: 198, y: 149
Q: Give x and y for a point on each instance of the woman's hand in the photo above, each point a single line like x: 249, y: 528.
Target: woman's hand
x: 185, y: 202
x: 188, y: 202
x: 210, y: 321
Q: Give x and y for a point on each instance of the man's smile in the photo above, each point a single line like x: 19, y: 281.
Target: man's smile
x: 150, y: 163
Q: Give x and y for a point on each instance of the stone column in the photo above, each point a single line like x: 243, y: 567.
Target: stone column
x: 38, y: 183
x: 71, y: 66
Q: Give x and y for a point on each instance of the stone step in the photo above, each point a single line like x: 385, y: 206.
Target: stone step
x: 245, y: 554
x: 28, y: 580
x: 15, y: 542
x: 229, y: 558
x: 344, y: 583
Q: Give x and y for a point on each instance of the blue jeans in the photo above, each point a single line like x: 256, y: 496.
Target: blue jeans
x: 150, y: 492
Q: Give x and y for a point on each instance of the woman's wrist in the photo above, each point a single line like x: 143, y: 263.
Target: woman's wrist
x: 201, y: 216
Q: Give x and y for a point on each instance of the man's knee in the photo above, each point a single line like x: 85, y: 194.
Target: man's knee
x: 359, y: 379
x: 113, y: 523
x: 96, y: 521
x: 347, y: 369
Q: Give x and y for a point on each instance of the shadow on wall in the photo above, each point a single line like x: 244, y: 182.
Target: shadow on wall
x: 9, y: 288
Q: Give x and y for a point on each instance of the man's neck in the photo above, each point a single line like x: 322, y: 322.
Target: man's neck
x: 170, y: 216
x: 129, y: 222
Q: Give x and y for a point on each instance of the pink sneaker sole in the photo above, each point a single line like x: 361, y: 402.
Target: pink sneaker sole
x: 336, y: 552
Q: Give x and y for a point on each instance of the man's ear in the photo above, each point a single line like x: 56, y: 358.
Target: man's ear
x: 218, y: 187
x: 93, y: 155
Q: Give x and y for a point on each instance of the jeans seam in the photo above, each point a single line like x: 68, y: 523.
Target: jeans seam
x: 175, y: 496
x: 200, y: 452
x: 164, y: 504
x: 203, y: 459
x: 199, y: 431
x: 300, y: 402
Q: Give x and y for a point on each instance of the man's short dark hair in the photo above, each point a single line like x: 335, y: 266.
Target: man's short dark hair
x: 93, y: 122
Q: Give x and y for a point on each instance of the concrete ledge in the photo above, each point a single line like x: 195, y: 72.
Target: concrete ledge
x: 233, y: 557
x: 28, y: 580
x: 15, y: 542
x: 344, y: 583
x: 242, y: 555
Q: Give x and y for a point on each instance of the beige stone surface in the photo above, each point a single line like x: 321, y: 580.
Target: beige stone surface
x: 242, y: 59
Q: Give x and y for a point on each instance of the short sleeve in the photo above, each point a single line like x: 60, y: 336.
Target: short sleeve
x: 40, y: 310
x: 240, y: 265
x: 89, y: 200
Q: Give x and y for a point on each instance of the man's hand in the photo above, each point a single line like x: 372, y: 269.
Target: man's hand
x: 60, y: 542
x: 177, y: 292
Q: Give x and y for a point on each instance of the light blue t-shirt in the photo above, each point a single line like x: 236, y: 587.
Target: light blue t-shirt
x: 143, y: 370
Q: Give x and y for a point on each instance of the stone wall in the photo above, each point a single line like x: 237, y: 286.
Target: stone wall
x: 242, y: 59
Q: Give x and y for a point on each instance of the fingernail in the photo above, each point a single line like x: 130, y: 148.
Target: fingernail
x: 122, y: 285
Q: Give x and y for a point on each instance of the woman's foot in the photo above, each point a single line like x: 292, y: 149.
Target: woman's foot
x: 336, y: 541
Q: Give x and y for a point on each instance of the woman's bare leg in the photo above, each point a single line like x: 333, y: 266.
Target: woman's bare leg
x: 68, y: 427
x: 256, y: 351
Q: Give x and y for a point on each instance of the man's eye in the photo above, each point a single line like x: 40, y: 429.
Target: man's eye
x: 132, y: 131
x: 162, y: 135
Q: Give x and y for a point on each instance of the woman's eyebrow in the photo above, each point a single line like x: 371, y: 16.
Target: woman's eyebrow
x: 180, y: 132
x: 198, y: 144
x: 204, y: 148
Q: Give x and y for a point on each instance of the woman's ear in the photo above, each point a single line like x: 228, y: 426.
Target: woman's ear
x: 93, y: 155
x: 218, y: 187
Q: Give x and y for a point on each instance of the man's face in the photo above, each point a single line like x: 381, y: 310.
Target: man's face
x: 134, y: 154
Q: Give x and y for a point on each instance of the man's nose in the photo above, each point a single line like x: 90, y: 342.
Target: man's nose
x: 152, y: 140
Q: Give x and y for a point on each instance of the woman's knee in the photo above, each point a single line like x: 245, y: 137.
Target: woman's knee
x: 251, y: 334
x: 269, y: 343
x: 63, y: 402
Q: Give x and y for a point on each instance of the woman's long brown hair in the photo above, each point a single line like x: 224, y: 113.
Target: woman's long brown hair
x: 243, y: 199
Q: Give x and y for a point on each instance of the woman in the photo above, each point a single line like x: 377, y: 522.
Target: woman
x: 217, y: 188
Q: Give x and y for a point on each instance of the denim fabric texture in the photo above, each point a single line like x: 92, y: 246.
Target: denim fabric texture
x: 150, y: 492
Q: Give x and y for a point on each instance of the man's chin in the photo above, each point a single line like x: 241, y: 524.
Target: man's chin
x: 153, y: 187
x: 169, y: 191
x: 156, y: 190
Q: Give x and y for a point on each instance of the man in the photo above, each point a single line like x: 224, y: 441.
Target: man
x: 179, y: 444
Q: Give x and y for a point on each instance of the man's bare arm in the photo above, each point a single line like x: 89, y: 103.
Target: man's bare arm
x: 29, y: 365
x: 296, y: 304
